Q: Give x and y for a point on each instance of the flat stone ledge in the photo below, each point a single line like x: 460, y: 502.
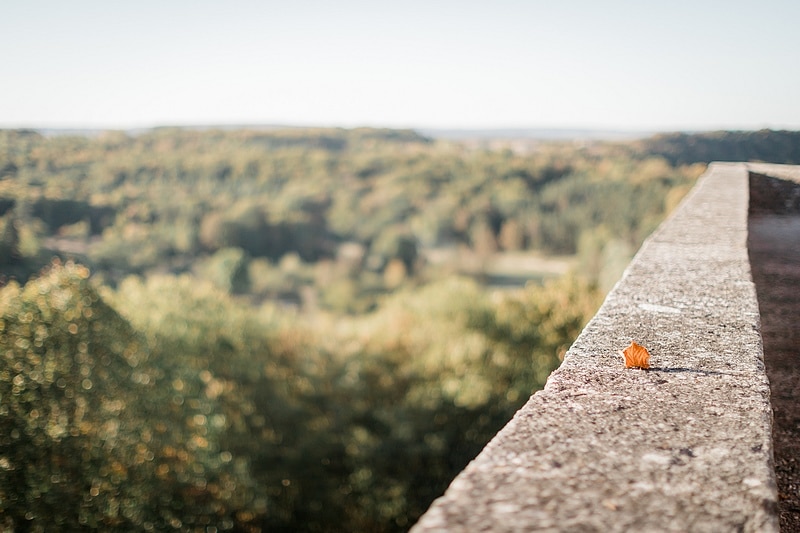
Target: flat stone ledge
x: 684, y: 446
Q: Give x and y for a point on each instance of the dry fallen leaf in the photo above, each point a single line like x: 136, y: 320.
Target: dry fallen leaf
x: 636, y: 356
x: 611, y: 505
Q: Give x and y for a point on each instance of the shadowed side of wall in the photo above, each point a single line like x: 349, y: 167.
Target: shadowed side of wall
x: 683, y: 446
x: 774, y: 245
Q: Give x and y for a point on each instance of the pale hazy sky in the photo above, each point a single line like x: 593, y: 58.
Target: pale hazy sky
x: 621, y: 64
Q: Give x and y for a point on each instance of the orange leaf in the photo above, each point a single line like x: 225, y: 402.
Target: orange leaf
x: 636, y: 356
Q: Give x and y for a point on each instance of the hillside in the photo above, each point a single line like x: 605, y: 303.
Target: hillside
x: 374, y: 208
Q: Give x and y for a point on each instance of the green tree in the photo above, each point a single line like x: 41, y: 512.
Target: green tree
x: 90, y: 436
x: 227, y: 269
x: 9, y: 240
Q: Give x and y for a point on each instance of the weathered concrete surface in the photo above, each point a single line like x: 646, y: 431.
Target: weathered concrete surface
x: 684, y: 446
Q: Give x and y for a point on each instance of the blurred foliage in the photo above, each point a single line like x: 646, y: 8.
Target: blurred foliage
x: 764, y: 145
x: 356, y: 424
x: 91, y: 434
x: 191, y: 410
x: 268, y: 341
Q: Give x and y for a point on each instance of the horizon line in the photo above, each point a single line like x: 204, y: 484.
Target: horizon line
x: 459, y: 132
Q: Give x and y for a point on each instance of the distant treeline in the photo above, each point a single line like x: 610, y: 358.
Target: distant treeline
x: 763, y: 146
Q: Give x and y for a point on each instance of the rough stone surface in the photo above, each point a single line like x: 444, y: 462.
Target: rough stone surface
x: 684, y: 446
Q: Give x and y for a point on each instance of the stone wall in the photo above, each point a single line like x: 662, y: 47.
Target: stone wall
x: 683, y: 446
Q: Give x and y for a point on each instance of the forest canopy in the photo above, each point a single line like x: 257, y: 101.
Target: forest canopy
x: 350, y: 205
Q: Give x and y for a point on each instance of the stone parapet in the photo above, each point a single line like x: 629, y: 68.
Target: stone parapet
x: 683, y: 446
